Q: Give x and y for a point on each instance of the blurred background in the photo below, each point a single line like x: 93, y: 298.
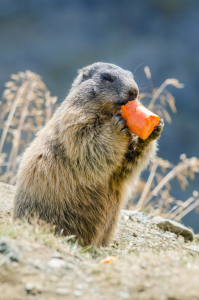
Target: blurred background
x: 54, y: 38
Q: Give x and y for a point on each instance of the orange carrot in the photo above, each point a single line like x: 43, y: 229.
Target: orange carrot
x: 108, y: 260
x: 139, y: 119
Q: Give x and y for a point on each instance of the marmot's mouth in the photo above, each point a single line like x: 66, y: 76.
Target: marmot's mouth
x: 123, y: 102
x: 118, y: 110
x: 132, y: 97
x: 126, y: 101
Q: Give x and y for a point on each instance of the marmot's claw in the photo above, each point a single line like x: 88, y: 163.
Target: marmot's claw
x: 119, y: 123
x: 125, y: 131
x: 117, y: 119
x: 160, y: 126
x: 157, y: 131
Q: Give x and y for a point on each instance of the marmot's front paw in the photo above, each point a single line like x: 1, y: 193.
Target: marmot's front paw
x: 157, y: 131
x: 120, y: 125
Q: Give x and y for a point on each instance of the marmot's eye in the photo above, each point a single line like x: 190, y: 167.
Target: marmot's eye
x: 108, y: 77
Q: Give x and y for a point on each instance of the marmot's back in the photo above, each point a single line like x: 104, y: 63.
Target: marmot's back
x: 84, y: 163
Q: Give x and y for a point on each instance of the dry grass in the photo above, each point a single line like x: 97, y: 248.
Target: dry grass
x: 40, y: 232
x: 25, y: 108
x: 154, y: 195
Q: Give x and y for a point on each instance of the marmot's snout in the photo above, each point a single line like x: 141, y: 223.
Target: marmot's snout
x: 133, y: 93
x: 129, y: 94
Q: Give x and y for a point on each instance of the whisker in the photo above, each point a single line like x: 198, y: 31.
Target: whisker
x: 137, y: 68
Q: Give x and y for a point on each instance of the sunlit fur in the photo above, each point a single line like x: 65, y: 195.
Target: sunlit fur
x: 81, y: 166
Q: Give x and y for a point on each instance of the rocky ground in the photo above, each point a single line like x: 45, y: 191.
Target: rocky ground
x: 143, y: 262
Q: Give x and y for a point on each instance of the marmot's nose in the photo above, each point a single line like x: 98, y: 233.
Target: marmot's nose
x: 133, y: 93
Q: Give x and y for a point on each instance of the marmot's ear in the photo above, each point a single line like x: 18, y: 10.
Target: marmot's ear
x: 85, y: 73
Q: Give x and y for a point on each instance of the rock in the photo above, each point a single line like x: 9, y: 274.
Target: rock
x: 181, y: 239
x: 173, y: 226
x: 123, y: 295
x: 29, y: 287
x: 78, y: 293
x: 11, y: 251
x: 57, y: 263
x: 6, y: 199
x: 194, y: 248
x: 57, y: 254
x: 62, y: 291
x: 130, y: 214
x: 60, y: 263
x: 33, y: 289
x: 70, y: 266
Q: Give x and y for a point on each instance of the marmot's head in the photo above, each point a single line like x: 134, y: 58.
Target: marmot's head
x: 104, y: 87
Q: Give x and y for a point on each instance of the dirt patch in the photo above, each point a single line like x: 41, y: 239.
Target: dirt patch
x: 148, y: 264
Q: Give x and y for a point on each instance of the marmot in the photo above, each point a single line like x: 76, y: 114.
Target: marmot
x: 84, y: 163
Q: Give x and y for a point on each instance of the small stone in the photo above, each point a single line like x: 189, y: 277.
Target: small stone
x: 42, y: 276
x: 38, y: 287
x: 80, y: 286
x: 181, y: 239
x: 54, y: 278
x: 141, y: 288
x: 33, y: 289
x: 123, y: 295
x: 133, y: 218
x: 131, y: 214
x: 62, y: 291
x: 15, y: 264
x: 57, y: 254
x: 78, y: 293
x: 114, y: 246
x: 89, y: 279
x: 12, y: 251
x: 143, y: 266
x: 70, y: 266
x: 29, y: 287
x: 57, y: 263
x: 148, y: 284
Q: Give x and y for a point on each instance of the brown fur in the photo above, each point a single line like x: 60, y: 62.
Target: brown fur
x: 84, y: 163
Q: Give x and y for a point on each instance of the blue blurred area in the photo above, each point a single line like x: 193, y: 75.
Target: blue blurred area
x: 56, y: 37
